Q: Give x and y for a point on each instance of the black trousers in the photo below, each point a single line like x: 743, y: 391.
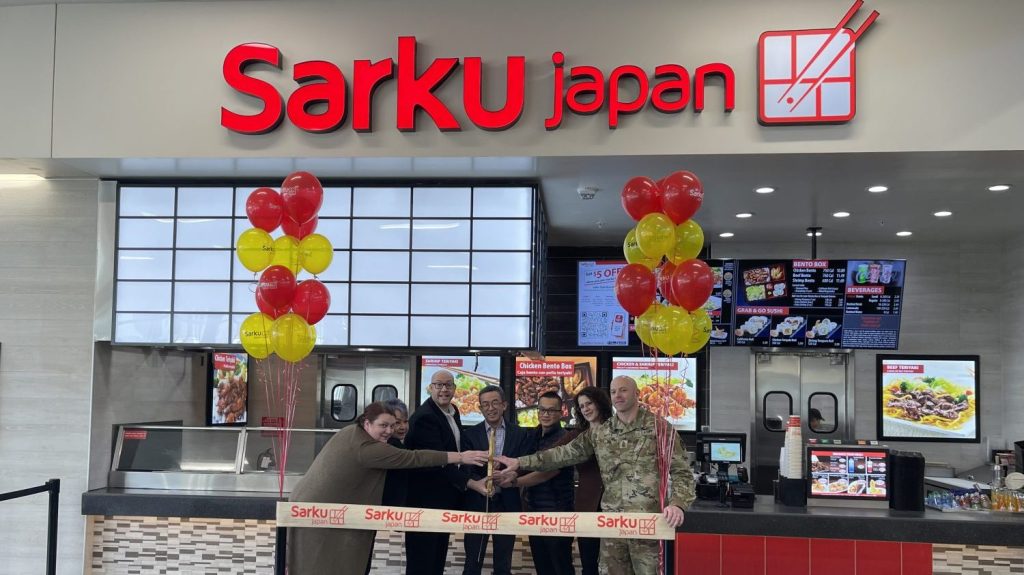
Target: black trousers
x: 425, y: 553
x: 590, y: 549
x: 552, y: 555
x: 476, y: 548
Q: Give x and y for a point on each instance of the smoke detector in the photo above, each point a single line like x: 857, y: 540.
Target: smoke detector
x: 587, y: 192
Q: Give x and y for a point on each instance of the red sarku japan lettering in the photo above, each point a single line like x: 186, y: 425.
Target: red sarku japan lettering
x: 322, y: 99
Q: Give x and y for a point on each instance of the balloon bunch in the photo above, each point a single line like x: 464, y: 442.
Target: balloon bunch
x: 288, y: 309
x: 662, y: 251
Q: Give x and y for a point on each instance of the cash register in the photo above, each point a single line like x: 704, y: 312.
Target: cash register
x: 723, y: 450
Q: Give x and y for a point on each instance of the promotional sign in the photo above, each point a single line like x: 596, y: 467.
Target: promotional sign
x: 601, y: 320
x: 664, y: 384
x: 847, y: 474
x: 720, y: 304
x: 928, y: 398
x: 471, y: 374
x: 229, y: 389
x: 606, y: 525
x: 565, y: 376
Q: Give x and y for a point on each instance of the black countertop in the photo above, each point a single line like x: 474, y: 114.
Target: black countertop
x: 766, y: 518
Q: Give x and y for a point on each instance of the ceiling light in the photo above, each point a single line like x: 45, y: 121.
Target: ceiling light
x: 878, y: 189
x: 816, y: 234
x: 764, y: 190
x: 943, y: 214
x: 904, y: 234
x: 726, y: 235
x: 998, y: 188
x: 21, y: 178
x: 841, y: 215
x: 744, y: 215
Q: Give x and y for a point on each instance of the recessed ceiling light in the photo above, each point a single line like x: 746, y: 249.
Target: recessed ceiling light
x: 943, y: 214
x: 904, y: 234
x: 726, y: 235
x: 744, y: 215
x: 21, y: 178
x: 841, y: 215
x: 878, y: 189
x: 998, y: 188
x: 764, y: 190
x: 817, y: 234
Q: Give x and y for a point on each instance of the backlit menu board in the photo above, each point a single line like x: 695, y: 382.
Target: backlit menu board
x: 471, y: 373
x: 666, y: 386
x: 928, y: 398
x: 229, y: 389
x: 720, y: 304
x: 601, y: 321
x: 563, y: 375
x: 849, y: 474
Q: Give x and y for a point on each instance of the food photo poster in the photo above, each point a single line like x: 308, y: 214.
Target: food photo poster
x: 928, y: 398
x: 471, y: 373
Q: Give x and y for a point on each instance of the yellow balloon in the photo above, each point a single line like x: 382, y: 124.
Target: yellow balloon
x: 255, y: 249
x: 292, y: 337
x: 701, y: 331
x: 689, y: 242
x: 286, y: 253
x: 255, y: 335
x: 642, y: 324
x: 633, y: 253
x: 317, y: 253
x: 671, y: 329
x: 655, y: 235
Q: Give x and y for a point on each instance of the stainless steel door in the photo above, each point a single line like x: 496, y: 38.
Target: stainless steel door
x: 793, y: 383
x: 351, y: 382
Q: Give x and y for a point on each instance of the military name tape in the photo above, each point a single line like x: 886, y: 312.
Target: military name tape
x: 380, y: 518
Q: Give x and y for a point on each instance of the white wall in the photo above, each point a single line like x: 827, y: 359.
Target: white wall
x: 48, y: 255
x: 26, y: 88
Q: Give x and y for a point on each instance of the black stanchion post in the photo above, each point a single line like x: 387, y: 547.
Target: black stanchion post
x: 281, y: 551
x: 53, y: 486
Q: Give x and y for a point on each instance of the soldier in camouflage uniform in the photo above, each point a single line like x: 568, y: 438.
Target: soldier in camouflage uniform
x: 626, y: 449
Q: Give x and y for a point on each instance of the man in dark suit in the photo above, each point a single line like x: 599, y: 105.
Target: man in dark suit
x: 508, y: 440
x: 435, y: 425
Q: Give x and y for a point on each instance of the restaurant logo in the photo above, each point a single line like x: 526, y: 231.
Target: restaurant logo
x: 567, y: 524
x: 319, y: 515
x: 810, y: 76
x: 394, y: 519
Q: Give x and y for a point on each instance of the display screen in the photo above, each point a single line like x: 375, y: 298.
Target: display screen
x: 471, y: 373
x: 229, y: 389
x: 928, y: 398
x: 666, y: 386
x: 726, y: 452
x: 561, y: 374
x: 601, y: 321
x: 849, y: 474
x: 720, y: 304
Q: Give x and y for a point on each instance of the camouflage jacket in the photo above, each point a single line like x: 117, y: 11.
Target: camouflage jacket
x: 627, y: 455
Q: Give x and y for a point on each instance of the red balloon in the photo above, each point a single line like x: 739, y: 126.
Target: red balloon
x: 692, y: 283
x: 265, y: 209
x: 640, y: 197
x: 634, y: 288
x: 277, y: 286
x: 312, y: 300
x: 274, y: 312
x: 665, y: 281
x: 303, y: 195
x: 681, y: 196
x: 297, y: 230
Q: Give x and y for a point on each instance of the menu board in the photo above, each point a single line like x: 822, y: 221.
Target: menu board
x: 229, y: 389
x: 720, y: 304
x: 874, y: 300
x: 565, y: 376
x: 471, y: 373
x: 666, y: 386
x: 601, y: 320
x: 928, y: 398
x: 849, y: 474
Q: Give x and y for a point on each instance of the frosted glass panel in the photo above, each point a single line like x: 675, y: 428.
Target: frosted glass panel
x: 205, y: 233
x: 441, y: 202
x: 440, y: 234
x: 380, y: 266
x: 338, y: 270
x: 155, y: 233
x: 501, y: 267
x: 500, y: 332
x: 142, y: 328
x: 380, y: 234
x: 144, y: 296
x: 242, y: 196
x: 381, y: 202
x: 440, y: 266
x: 236, y: 325
x: 335, y: 230
x: 501, y: 300
x: 337, y: 202
x: 339, y: 297
x: 243, y: 297
x: 205, y: 201
x: 443, y: 299
x: 200, y: 296
x: 380, y: 298
x: 147, y: 201
x: 379, y: 330
x: 440, y: 331
x: 200, y: 328
x: 205, y: 265
x: 332, y: 330
x: 144, y: 264
x: 502, y: 235
x: 502, y: 202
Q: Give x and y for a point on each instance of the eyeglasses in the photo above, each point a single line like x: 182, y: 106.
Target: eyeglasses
x: 496, y: 404
x: 443, y: 385
x: 552, y: 411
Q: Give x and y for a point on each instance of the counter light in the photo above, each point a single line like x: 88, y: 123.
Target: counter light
x: 878, y: 189
x: 726, y: 235
x: 764, y: 190
x: 841, y: 215
x: 943, y: 214
x: 904, y: 234
x: 816, y: 234
x: 21, y: 178
x: 744, y: 215
x: 999, y: 188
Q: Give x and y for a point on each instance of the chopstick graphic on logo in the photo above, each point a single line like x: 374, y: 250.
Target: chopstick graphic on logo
x: 796, y: 64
